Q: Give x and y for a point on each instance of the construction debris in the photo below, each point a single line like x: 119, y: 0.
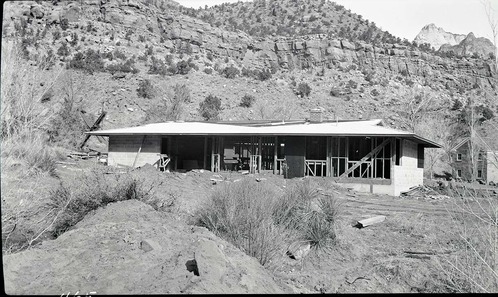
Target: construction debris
x: 370, y: 221
x: 419, y: 191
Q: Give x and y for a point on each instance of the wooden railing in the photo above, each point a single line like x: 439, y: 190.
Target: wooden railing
x: 255, y: 164
x: 312, y: 165
x: 363, y: 169
x: 280, y: 166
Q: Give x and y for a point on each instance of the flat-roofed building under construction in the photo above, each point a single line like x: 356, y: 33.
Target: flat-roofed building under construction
x: 364, y: 155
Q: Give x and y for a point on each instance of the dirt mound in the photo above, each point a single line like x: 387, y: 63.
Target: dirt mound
x: 129, y: 248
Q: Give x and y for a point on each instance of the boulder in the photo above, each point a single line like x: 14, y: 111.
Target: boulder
x: 347, y: 45
x: 71, y: 13
x: 36, y: 11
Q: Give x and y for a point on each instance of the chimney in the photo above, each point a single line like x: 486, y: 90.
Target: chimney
x: 316, y: 115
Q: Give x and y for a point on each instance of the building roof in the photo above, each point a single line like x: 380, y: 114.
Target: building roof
x: 485, y: 143
x: 270, y: 128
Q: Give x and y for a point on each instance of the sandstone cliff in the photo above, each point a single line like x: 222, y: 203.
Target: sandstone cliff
x: 437, y: 36
x: 471, y: 46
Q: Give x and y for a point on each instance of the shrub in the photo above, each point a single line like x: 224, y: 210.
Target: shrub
x: 33, y: 152
x: 303, y: 89
x: 471, y: 268
x: 56, y: 35
x: 168, y: 59
x: 157, y: 67
x: 210, y: 108
x: 247, y: 100
x: 146, y: 89
x: 209, y: 56
x: 264, y: 224
x: 64, y: 24
x: 230, y: 72
x: 352, y: 84
x: 63, y: 50
x: 73, y: 200
x: 208, y: 70
x: 264, y: 74
x: 374, y: 93
x: 175, y: 108
x: 335, y: 92
x: 90, y: 61
x: 241, y: 213
x: 66, y: 127
x: 119, y: 55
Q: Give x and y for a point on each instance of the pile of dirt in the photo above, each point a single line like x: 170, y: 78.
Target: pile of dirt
x: 129, y: 248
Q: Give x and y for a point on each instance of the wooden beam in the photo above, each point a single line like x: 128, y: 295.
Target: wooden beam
x: 139, y: 150
x: 369, y: 155
x: 370, y: 221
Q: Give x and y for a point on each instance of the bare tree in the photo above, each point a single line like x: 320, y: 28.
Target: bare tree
x: 415, y: 106
x: 437, y: 129
x: 493, y: 24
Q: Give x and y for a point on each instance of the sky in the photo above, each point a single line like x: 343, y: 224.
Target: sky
x: 405, y: 18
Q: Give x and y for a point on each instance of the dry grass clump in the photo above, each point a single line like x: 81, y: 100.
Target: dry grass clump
x: 73, y: 200
x: 264, y: 223
x: 49, y: 213
x: 32, y: 153
x: 474, y: 265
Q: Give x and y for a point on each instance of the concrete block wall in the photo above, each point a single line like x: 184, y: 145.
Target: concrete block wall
x: 376, y: 189
x: 407, y: 174
x: 123, y: 150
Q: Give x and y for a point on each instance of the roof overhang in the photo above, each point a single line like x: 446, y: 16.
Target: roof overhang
x: 371, y: 128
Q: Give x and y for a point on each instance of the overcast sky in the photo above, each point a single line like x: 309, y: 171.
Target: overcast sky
x: 405, y: 18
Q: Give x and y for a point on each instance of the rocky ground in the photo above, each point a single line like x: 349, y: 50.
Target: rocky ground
x: 129, y: 247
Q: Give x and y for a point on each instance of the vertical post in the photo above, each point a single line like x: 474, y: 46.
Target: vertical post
x: 204, y: 165
x: 275, y: 155
x: 213, y: 143
x: 221, y: 153
x: 138, y: 153
x: 251, y: 163
x: 260, y: 154
x: 328, y: 162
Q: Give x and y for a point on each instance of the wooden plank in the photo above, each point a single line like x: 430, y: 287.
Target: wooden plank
x: 369, y: 155
x: 138, y: 153
x: 370, y: 221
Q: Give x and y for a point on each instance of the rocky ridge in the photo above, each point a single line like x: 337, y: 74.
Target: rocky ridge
x: 158, y: 18
x: 437, y: 36
x: 471, y: 45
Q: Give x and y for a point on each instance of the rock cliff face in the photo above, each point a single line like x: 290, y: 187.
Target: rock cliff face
x: 470, y: 46
x: 437, y: 36
x: 156, y: 18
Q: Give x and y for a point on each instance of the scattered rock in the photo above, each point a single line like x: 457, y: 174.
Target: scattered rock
x: 36, y: 11
x: 148, y: 245
x: 298, y: 250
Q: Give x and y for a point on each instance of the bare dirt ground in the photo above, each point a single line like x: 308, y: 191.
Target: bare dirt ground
x: 130, y: 248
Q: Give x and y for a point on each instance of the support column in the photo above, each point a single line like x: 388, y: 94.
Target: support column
x: 204, y: 165
x: 213, y: 143
x: 275, y: 155
x: 327, y: 154
x: 260, y: 154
